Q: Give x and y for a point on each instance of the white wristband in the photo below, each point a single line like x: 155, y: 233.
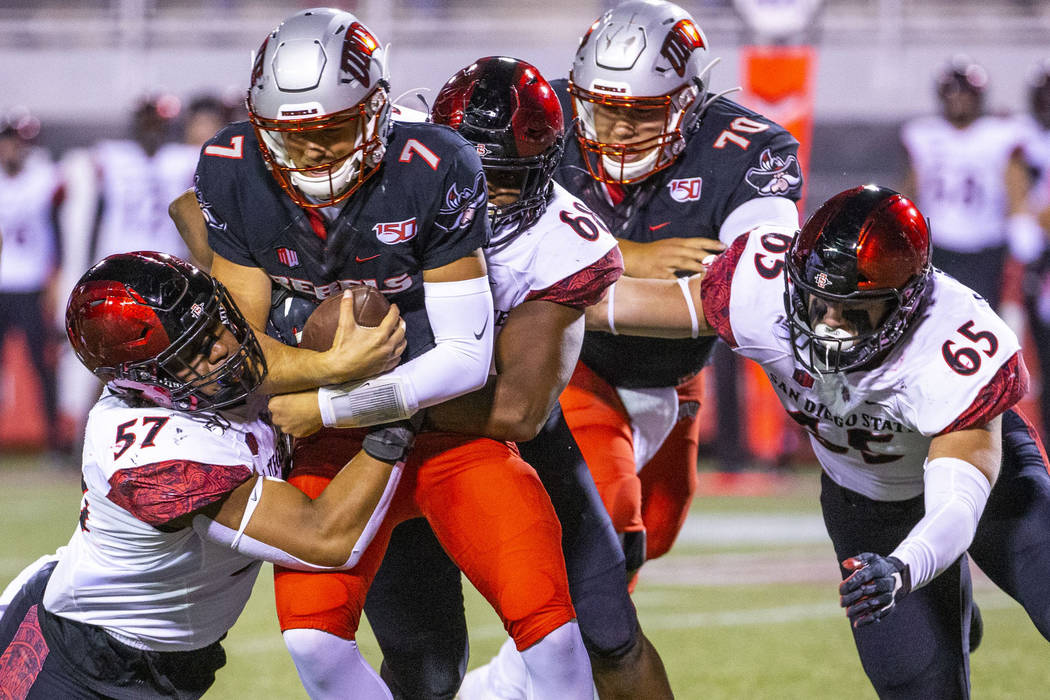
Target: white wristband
x: 955, y: 495
x: 382, y: 399
x: 683, y: 284
x: 609, y: 309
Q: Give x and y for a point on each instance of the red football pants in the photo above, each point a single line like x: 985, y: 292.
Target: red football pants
x: 656, y: 498
x: 488, y: 509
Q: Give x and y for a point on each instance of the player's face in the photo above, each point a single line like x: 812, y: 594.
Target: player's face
x: 220, y: 345
x: 13, y: 152
x: 850, y: 318
x: 504, y: 186
x: 308, y: 149
x: 960, y: 106
x: 628, y: 125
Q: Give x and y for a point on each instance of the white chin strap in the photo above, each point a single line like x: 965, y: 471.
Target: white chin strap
x: 626, y: 171
x: 332, y: 184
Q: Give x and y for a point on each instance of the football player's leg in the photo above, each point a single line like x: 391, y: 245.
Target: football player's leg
x: 1010, y: 544
x: 492, y: 515
x: 670, y: 479
x: 918, y: 651
x: 415, y: 609
x: 602, y: 430
x: 623, y: 662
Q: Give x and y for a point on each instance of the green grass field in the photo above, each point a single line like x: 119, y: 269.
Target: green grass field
x: 743, y: 607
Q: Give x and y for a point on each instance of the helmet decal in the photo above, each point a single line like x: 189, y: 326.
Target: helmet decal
x: 358, y: 48
x: 680, y: 43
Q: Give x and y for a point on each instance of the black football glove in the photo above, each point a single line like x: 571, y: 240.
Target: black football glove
x: 391, y: 442
x: 874, y: 588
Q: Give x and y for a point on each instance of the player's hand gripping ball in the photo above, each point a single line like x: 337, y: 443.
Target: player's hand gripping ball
x: 370, y: 307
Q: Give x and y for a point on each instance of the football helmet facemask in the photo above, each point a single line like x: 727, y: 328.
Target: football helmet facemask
x: 142, y: 322
x: 644, y: 60
x: 866, y: 253
x: 510, y: 113
x: 319, y: 104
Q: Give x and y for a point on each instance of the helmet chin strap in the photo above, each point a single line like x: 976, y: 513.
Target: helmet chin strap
x: 626, y: 171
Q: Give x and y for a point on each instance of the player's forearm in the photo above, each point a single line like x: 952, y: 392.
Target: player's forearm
x: 292, y: 369
x: 498, y: 410
x: 648, y: 307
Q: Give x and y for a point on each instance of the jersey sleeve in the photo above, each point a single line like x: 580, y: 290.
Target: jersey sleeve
x: 461, y: 225
x: 1006, y: 388
x: 715, y: 289
x: 771, y: 169
x: 585, y: 287
x: 214, y: 185
x: 161, y: 492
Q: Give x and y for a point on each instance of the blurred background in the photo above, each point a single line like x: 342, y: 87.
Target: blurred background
x: 87, y: 78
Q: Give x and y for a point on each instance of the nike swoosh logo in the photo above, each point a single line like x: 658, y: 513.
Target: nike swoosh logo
x: 477, y: 336
x: 659, y: 226
x: 359, y: 259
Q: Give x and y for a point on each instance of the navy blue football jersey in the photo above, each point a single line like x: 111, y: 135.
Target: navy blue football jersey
x: 424, y: 208
x: 732, y: 156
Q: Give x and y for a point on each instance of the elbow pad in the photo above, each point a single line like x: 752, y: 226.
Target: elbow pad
x: 461, y: 319
x: 955, y: 495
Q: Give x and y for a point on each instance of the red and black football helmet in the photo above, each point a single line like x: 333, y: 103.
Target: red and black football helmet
x: 139, y: 320
x: 510, y: 113
x: 866, y: 244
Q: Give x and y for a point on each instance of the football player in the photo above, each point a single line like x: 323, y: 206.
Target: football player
x: 321, y: 191
x: 548, y: 259
x: 31, y: 194
x: 676, y: 172
x: 906, y: 382
x: 967, y: 172
x: 183, y: 496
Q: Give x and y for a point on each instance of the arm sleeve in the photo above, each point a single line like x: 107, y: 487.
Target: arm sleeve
x: 715, y: 289
x: 778, y: 211
x: 161, y: 492
x: 955, y: 495
x: 585, y: 287
x: 460, y: 315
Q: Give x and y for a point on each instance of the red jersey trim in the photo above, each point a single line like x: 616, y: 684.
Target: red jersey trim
x: 715, y: 286
x: 24, y: 657
x: 584, y: 287
x: 1005, y: 389
x: 161, y: 492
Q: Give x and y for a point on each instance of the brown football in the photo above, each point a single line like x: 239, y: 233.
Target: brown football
x: 370, y: 307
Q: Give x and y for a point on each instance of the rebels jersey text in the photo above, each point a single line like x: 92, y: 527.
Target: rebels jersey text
x: 567, y: 257
x: 130, y: 570
x: 424, y: 208
x: 734, y: 155
x: 958, y: 367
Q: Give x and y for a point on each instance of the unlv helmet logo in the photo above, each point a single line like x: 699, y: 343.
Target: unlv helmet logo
x: 685, y: 189
x: 358, y: 47
x: 394, y: 232
x: 680, y: 43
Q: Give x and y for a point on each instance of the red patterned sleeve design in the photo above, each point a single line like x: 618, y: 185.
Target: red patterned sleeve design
x: 1005, y: 389
x: 585, y: 287
x: 714, y: 289
x: 24, y: 657
x: 161, y: 492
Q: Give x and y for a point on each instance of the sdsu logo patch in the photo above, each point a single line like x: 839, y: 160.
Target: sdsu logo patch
x: 685, y: 189
x: 395, y: 232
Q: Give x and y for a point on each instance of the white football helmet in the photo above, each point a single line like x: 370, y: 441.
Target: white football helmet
x: 641, y: 55
x: 319, y: 104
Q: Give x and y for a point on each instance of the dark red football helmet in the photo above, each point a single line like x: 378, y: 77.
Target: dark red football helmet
x: 510, y: 113
x: 139, y: 321
x: 863, y: 246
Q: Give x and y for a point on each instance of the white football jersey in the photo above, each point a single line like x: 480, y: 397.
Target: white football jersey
x: 147, y: 584
x: 960, y: 177
x: 870, y: 430
x: 553, y: 254
x: 136, y: 191
x: 30, y: 242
